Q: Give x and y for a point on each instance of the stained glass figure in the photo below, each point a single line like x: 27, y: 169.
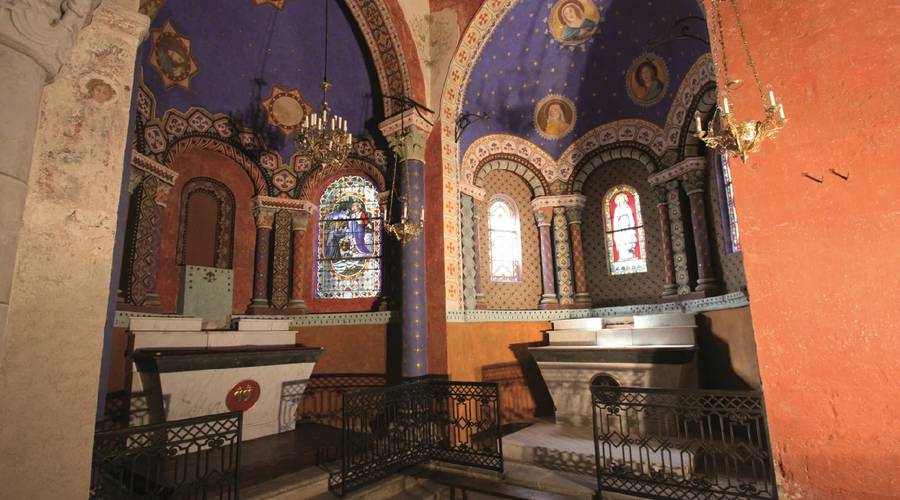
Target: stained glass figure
x: 348, y: 264
x: 730, y: 222
x: 625, y: 244
x: 506, y: 240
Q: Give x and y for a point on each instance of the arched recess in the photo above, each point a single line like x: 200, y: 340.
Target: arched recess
x: 311, y: 186
x: 608, y: 153
x: 223, y: 234
x: 696, y: 82
x: 704, y: 103
x: 641, y: 135
x: 471, y: 43
x: 516, y: 165
x: 250, y: 167
x: 526, y: 155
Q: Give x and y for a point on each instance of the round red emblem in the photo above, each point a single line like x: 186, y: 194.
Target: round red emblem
x: 242, y: 396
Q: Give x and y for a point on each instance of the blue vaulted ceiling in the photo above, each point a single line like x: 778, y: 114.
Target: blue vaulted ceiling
x: 522, y: 63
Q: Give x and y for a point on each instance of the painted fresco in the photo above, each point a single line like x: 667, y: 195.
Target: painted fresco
x: 625, y: 244
x: 151, y: 7
x: 170, y: 54
x: 554, y: 116
x: 349, y: 240
x: 286, y: 108
x: 647, y: 80
x: 573, y: 22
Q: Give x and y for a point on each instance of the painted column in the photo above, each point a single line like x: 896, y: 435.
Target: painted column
x: 143, y: 260
x: 582, y: 297
x: 694, y: 183
x: 73, y: 143
x: 563, y: 261
x: 679, y: 257
x: 469, y: 249
x: 265, y: 218
x: 543, y: 218
x: 478, y: 220
x: 662, y: 207
x: 407, y: 132
x: 299, y: 220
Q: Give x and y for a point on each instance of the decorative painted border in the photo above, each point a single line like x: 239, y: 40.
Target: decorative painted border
x: 630, y: 130
x: 727, y: 301
x: 520, y: 150
x: 701, y: 73
x: 123, y: 318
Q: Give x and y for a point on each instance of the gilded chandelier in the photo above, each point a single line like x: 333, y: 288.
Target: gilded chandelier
x: 323, y: 138
x: 405, y: 229
x: 725, y: 132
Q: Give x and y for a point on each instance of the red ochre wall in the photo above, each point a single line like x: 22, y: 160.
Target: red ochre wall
x: 347, y: 348
x: 821, y: 259
x: 497, y: 352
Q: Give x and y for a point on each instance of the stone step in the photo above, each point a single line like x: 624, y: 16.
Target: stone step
x: 661, y: 335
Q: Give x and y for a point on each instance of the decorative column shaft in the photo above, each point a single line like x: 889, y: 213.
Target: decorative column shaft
x: 662, y: 207
x: 142, y: 262
x: 563, y: 260
x: 694, y: 184
x: 679, y: 256
x: 299, y: 221
x: 469, y: 249
x: 478, y: 213
x: 407, y: 133
x: 582, y: 297
x: 544, y: 217
x: 265, y: 218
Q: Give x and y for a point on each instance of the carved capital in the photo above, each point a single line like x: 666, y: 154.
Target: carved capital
x: 264, y: 217
x: 662, y: 194
x: 300, y: 220
x: 694, y: 181
x: 574, y: 214
x: 407, y: 133
x: 543, y: 216
x: 44, y: 30
x: 565, y: 200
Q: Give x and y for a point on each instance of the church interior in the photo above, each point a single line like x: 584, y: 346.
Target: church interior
x: 285, y: 249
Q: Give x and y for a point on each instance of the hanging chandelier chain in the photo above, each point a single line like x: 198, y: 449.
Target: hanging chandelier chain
x: 740, y: 24
x: 721, y: 39
x: 325, y: 76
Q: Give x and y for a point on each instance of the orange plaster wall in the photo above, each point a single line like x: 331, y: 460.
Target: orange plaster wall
x: 484, y: 351
x: 821, y: 259
x: 347, y: 348
x: 434, y: 255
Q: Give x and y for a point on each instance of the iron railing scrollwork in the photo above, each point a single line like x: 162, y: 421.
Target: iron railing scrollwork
x: 388, y: 429
x: 195, y: 458
x: 682, y: 443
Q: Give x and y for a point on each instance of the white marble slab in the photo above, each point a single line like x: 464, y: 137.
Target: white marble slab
x: 265, y: 324
x: 161, y: 324
x: 242, y: 338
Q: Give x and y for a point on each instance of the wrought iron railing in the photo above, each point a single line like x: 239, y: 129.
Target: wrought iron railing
x: 195, y: 458
x: 323, y: 396
x: 682, y: 444
x: 388, y: 429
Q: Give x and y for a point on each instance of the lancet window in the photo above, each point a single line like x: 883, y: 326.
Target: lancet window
x: 626, y: 248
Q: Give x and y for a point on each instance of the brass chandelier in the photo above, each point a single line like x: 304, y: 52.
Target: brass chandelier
x: 323, y: 137
x: 406, y: 229
x: 724, y: 131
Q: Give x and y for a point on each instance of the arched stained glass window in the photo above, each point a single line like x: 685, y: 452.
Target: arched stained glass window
x: 505, y: 239
x: 729, y: 221
x: 625, y: 247
x: 348, y: 264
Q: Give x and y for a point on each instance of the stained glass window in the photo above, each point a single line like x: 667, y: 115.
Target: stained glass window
x: 348, y: 264
x: 625, y: 245
x: 730, y: 231
x: 505, y: 239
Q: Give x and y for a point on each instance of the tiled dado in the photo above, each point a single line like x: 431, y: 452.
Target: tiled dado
x: 727, y: 301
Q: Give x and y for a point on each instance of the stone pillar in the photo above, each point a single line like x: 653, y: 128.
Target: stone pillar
x: 56, y: 254
x: 469, y: 249
x: 407, y: 132
x: 582, y: 297
x: 543, y: 218
x: 679, y: 256
x: 265, y: 218
x: 662, y: 206
x: 299, y: 220
x: 563, y: 261
x: 694, y: 183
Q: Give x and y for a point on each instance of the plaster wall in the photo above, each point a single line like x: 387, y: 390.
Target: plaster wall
x: 821, y: 258
x: 727, y: 351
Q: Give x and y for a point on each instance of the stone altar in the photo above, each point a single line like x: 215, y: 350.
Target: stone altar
x: 186, y: 371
